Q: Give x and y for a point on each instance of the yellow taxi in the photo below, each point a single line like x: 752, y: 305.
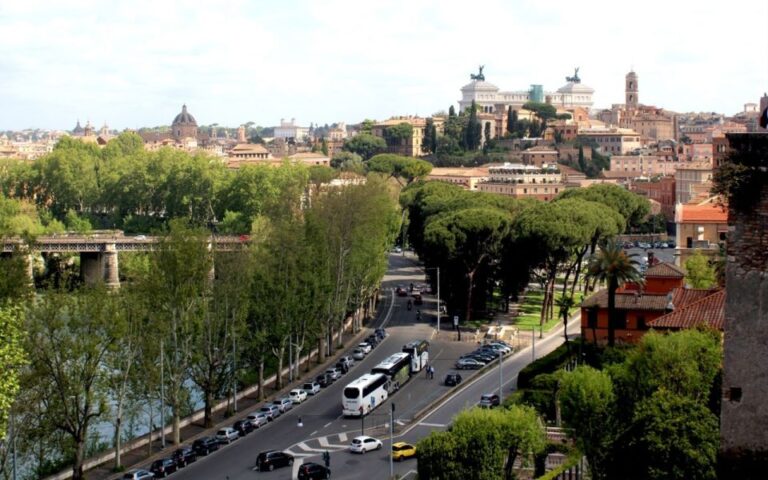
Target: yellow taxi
x: 402, y: 450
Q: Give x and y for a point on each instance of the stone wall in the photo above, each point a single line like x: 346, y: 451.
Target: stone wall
x: 744, y: 410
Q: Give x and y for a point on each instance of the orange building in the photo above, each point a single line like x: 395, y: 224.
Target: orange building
x: 637, y: 307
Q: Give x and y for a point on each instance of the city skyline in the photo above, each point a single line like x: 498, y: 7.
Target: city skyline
x: 134, y: 65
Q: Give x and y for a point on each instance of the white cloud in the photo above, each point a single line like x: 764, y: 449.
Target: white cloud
x: 134, y: 63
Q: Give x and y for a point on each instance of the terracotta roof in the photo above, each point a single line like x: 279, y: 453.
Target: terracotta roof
x: 707, y: 213
x: 628, y: 301
x: 709, y: 310
x: 249, y: 148
x: 664, y: 270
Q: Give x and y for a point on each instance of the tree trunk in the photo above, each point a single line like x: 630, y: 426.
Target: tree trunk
x: 279, y: 382
x: 118, y: 432
x: 208, y: 417
x: 612, y: 287
x: 261, y: 378
x: 77, y: 467
x: 176, y: 427
x: 321, y: 347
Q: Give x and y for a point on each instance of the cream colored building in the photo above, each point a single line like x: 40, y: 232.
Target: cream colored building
x: 612, y: 140
x: 409, y: 147
x: 311, y: 159
x: 524, y: 181
x: 700, y: 227
x: 288, y: 130
x: 643, y: 165
x: 690, y: 178
x: 467, y: 178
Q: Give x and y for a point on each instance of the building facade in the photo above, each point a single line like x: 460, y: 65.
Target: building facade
x: 612, y: 140
x: 409, y: 147
x: 467, y: 178
x: 702, y: 228
x: 690, y: 179
x: 524, y: 181
x: 291, y: 131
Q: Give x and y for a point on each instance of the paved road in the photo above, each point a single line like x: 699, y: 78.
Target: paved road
x: 323, y: 426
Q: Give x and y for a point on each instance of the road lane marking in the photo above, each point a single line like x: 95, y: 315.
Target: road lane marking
x: 436, y: 425
x: 327, y: 425
x: 342, y: 437
x: 311, y: 434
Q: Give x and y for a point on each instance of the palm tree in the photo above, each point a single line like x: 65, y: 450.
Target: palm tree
x: 615, y: 267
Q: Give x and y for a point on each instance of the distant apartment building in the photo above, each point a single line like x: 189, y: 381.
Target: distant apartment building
x: 642, y: 165
x: 702, y: 227
x: 524, y: 181
x: 661, y: 190
x: 691, y: 178
x: 467, y: 178
x: 291, y: 131
x: 612, y: 140
x: 540, y: 155
x: 409, y: 147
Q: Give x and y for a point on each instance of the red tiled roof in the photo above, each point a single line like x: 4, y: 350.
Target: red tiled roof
x: 709, y: 310
x: 665, y: 270
x: 707, y: 213
x: 632, y: 300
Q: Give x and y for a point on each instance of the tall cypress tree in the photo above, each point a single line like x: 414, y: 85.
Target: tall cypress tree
x: 451, y: 111
x: 511, y: 120
x: 582, y: 161
x: 473, y: 132
x: 429, y: 143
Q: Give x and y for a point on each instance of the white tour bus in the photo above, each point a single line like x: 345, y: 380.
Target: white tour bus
x: 364, y: 394
x: 419, y: 352
x: 397, y: 368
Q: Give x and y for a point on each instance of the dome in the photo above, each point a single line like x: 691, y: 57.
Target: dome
x: 184, y: 118
x: 78, y: 128
x: 479, y: 86
x: 575, y: 88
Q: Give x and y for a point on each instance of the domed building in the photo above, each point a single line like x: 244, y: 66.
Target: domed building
x: 78, y: 131
x: 184, y: 125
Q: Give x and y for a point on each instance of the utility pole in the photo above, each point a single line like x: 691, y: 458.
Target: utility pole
x: 162, y: 395
x: 391, y: 440
x: 234, y: 368
x: 362, y: 420
x: 533, y: 343
x: 439, y: 306
x: 501, y: 378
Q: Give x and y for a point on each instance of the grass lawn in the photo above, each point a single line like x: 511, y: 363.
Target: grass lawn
x: 530, y: 311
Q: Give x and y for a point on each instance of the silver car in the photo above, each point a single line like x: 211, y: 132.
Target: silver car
x: 258, y: 419
x: 272, y: 411
x: 284, y: 404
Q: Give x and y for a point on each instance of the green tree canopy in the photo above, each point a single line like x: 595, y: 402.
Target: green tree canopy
x: 631, y: 206
x: 399, y: 167
x: 365, y: 144
x: 699, y: 273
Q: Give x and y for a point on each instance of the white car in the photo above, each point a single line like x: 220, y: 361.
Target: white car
x: 365, y: 347
x: 334, y: 373
x: 297, y: 395
x: 258, y: 419
x: 284, y: 404
x: 226, y: 435
x: 364, y: 444
x: 312, y: 388
x: 358, y: 354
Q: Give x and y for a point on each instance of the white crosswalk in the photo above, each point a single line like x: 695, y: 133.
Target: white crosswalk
x: 314, y: 447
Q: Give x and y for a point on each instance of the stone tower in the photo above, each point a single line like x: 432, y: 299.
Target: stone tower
x: 744, y: 410
x: 631, y: 91
x: 241, y: 134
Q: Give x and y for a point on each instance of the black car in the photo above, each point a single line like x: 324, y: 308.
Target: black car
x: 312, y: 471
x: 452, y: 379
x: 184, y: 456
x: 323, y: 380
x: 243, y: 427
x: 372, y: 340
x: 380, y: 333
x: 342, y: 367
x: 272, y: 459
x: 204, y: 446
x: 163, y: 467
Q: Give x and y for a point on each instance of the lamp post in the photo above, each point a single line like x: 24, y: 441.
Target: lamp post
x: 501, y: 375
x: 234, y: 369
x: 162, y: 395
x: 391, y: 440
x: 362, y: 420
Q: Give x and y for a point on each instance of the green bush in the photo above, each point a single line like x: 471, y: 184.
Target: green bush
x: 547, y: 364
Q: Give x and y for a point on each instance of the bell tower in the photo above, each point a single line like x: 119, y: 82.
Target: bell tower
x: 631, y: 91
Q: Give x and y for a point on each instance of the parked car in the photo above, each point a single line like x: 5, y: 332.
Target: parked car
x: 500, y: 346
x: 227, y: 435
x: 469, y: 364
x: 313, y: 471
x: 284, y: 404
x: 365, y: 347
x: 347, y: 360
x: 272, y: 411
x: 243, y: 427
x: 489, y: 400
x: 401, y: 291
x: 402, y: 450
x: 311, y: 388
x: 297, y: 395
x: 358, y: 354
x: 364, y: 444
x: 334, y: 373
x: 272, y: 459
x: 205, y: 445
x: 163, y: 467
x: 341, y: 367
x: 381, y: 333
x: 138, y: 475
x: 417, y: 299
x: 372, y: 341
x: 452, y: 379
x: 397, y: 250
x: 323, y: 380
x: 258, y: 419
x: 183, y: 456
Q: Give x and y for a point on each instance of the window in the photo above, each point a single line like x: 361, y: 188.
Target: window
x: 592, y: 318
x: 620, y: 319
x: 641, y: 322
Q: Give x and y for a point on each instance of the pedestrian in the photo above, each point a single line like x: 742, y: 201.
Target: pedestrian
x: 327, y: 459
x: 432, y: 372
x: 426, y: 371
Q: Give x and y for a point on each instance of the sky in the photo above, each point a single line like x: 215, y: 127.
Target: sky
x: 134, y: 63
